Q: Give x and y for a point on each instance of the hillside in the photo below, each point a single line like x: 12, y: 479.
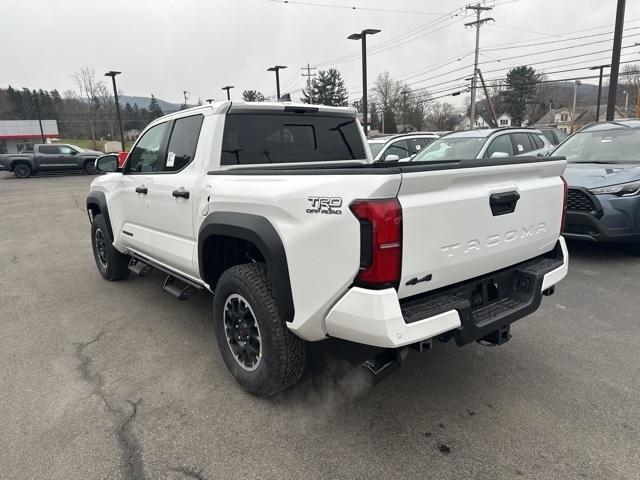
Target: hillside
x: 143, y: 102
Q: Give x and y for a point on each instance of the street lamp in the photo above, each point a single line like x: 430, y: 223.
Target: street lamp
x: 209, y: 100
x: 227, y: 88
x: 277, y: 68
x: 575, y: 97
x: 113, y: 74
x: 601, y: 68
x: 363, y: 37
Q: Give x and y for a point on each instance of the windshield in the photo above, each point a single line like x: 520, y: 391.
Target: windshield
x: 375, y: 148
x: 451, y: 148
x: 620, y: 145
x: 75, y: 147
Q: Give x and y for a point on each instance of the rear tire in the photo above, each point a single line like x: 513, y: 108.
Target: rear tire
x: 262, y: 354
x: 90, y: 167
x: 111, y: 264
x: 22, y: 170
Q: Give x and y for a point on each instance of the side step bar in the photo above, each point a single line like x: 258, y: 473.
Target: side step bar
x: 175, y: 284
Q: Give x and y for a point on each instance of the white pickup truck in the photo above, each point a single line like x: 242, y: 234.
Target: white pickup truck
x: 278, y: 210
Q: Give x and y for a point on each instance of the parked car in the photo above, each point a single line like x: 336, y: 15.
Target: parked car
x: 486, y: 143
x: 278, y: 211
x: 554, y: 135
x: 47, y: 158
x: 603, y: 173
x: 394, y: 148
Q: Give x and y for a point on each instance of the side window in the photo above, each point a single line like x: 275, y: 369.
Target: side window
x: 49, y: 149
x: 416, y: 144
x: 145, y: 156
x: 399, y: 148
x: 66, y: 150
x: 536, y: 141
x: 500, y: 144
x: 521, y: 143
x: 183, y: 142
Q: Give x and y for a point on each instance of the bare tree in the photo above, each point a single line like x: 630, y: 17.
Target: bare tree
x: 442, y: 116
x: 631, y: 75
x: 106, y: 105
x: 85, y: 80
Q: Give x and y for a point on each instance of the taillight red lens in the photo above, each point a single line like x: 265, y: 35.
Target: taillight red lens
x: 381, y: 242
x: 564, y: 205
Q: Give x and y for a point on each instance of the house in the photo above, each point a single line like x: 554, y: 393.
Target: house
x: 562, y: 117
x: 17, y: 136
x: 505, y: 120
x: 465, y: 123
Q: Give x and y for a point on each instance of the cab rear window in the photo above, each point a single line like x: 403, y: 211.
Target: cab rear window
x: 251, y: 138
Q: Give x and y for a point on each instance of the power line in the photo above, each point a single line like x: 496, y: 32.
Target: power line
x: 355, y: 8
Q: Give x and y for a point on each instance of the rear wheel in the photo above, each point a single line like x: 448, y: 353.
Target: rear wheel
x: 22, y: 170
x: 111, y: 264
x: 262, y: 354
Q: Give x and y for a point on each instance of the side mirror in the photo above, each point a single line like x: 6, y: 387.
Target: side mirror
x: 391, y: 158
x: 107, y: 163
x: 499, y: 155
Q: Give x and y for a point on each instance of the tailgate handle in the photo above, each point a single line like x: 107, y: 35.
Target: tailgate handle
x: 503, y: 203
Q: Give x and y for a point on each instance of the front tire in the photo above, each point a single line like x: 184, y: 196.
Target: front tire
x: 111, y: 264
x: 262, y: 354
x: 90, y: 167
x: 22, y: 170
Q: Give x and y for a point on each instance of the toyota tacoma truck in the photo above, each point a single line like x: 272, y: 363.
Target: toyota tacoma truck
x: 49, y: 158
x: 279, y: 211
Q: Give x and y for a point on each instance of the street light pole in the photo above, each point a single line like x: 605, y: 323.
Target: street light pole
x: 209, y: 100
x: 575, y: 97
x: 277, y: 68
x: 227, y: 88
x: 363, y: 37
x: 113, y: 74
x: 601, y: 68
x: 615, y: 61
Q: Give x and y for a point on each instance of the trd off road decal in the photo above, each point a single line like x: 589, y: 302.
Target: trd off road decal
x: 325, y: 205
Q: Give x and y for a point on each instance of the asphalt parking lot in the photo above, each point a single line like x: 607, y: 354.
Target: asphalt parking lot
x: 120, y: 380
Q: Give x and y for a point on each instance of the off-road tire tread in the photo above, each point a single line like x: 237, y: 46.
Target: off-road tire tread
x: 117, y: 263
x: 289, y: 349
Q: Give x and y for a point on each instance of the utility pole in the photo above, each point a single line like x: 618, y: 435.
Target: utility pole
x: 478, y: 8
x: 404, y: 110
x: 575, y: 98
x: 39, y: 118
x: 488, y: 97
x: 615, y: 61
x: 626, y: 104
x: 186, y: 95
x: 550, y: 112
x: 601, y: 68
x: 308, y: 68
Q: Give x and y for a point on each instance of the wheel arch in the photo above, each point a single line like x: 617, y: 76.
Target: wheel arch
x: 252, y: 230
x: 97, y: 204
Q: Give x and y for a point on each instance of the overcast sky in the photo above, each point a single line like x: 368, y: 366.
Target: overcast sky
x: 166, y: 46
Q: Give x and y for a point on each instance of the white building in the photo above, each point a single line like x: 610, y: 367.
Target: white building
x: 465, y: 123
x: 505, y: 120
x: 18, y: 136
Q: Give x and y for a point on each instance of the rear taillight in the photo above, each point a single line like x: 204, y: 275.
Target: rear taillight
x: 380, y: 242
x: 564, y: 205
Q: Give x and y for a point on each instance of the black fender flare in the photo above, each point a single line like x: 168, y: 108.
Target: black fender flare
x: 259, y: 231
x: 100, y: 200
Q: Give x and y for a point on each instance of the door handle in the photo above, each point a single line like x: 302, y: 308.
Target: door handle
x: 142, y: 190
x: 180, y: 193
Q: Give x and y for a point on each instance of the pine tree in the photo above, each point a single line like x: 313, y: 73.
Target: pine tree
x: 327, y: 89
x: 521, y: 87
x: 154, y: 108
x: 252, y: 96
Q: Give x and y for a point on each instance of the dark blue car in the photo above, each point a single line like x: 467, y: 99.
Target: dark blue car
x: 603, y: 174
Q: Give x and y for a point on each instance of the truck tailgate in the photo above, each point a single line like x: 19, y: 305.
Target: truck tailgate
x: 463, y: 221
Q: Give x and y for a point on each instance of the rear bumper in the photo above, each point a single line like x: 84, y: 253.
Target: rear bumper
x: 462, y: 311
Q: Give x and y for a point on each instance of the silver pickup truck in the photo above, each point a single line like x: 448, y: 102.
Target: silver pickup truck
x: 46, y: 158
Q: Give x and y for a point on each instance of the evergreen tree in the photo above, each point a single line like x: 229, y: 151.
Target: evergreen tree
x: 327, y: 89
x: 521, y: 87
x: 252, y: 96
x: 154, y: 108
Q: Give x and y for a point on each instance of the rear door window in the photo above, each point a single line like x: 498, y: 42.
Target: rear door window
x: 416, y: 144
x: 266, y: 138
x: 521, y: 143
x: 536, y: 141
x: 49, y: 149
x: 183, y: 143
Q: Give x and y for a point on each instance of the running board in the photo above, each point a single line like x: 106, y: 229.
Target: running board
x: 140, y: 268
x: 180, y: 292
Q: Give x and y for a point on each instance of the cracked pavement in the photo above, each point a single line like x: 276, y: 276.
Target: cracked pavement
x: 119, y: 380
